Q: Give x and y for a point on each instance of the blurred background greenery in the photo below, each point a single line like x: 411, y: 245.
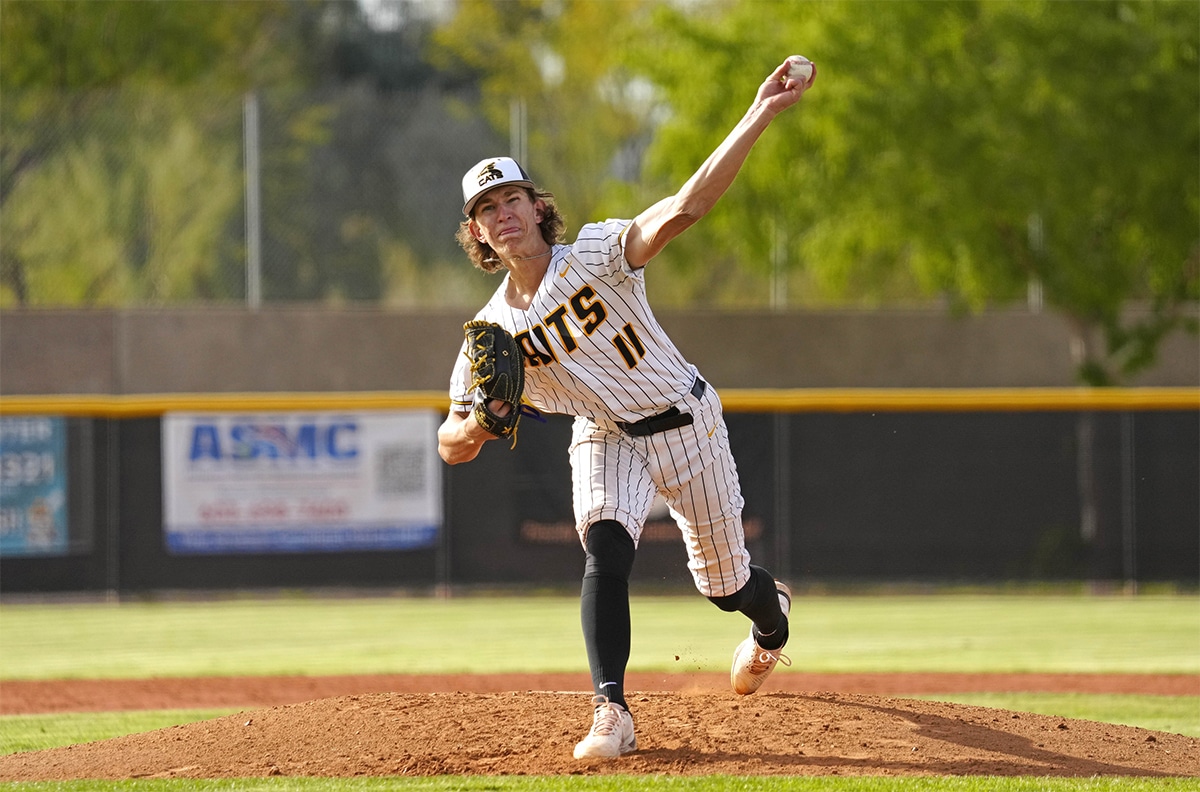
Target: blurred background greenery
x: 964, y: 155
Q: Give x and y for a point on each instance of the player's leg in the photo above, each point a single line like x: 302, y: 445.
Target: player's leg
x: 697, y: 476
x: 762, y: 600
x: 604, y: 614
x: 608, y: 490
x: 756, y: 657
x: 604, y: 607
x: 719, y: 561
x: 708, y: 508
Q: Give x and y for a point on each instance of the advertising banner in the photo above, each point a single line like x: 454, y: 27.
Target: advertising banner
x: 33, y: 486
x: 311, y: 482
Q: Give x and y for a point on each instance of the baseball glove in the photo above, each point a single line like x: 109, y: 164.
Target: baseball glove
x: 498, y: 371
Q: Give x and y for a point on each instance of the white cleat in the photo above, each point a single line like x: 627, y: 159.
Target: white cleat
x: 611, y: 734
x: 751, y: 663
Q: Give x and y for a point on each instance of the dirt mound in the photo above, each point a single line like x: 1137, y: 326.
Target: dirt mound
x: 681, y: 733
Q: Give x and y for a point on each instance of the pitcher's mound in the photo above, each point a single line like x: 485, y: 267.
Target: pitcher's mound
x: 533, y: 733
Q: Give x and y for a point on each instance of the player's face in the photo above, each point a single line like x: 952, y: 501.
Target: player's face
x: 507, y: 218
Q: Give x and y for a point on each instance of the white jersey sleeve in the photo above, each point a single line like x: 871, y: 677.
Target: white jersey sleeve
x: 592, y: 345
x: 460, y: 382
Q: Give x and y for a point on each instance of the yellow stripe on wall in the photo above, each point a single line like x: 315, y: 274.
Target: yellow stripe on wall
x: 148, y: 404
x: 959, y: 399
x: 734, y: 399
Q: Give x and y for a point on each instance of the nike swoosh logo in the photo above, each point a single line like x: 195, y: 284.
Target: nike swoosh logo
x: 563, y: 274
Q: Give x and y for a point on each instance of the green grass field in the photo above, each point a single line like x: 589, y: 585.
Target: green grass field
x: 313, y: 635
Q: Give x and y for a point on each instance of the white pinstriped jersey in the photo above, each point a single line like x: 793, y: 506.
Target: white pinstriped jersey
x: 592, y: 345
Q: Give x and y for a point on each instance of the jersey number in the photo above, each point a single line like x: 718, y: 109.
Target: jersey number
x: 629, y: 345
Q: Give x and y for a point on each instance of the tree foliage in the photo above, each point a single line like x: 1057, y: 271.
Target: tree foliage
x: 97, y: 224
x: 99, y: 205
x: 559, y: 61
x: 350, y: 130
x: 957, y: 150
x: 974, y: 147
x: 85, y: 44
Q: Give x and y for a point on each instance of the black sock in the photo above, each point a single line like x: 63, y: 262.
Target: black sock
x: 759, y: 600
x: 604, y: 607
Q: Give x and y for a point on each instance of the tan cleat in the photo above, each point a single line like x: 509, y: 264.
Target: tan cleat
x: 611, y: 734
x: 751, y: 663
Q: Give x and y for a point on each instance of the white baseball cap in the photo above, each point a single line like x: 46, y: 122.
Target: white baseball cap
x: 491, y: 173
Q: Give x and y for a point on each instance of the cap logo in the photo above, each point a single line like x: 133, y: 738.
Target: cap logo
x: 489, y: 173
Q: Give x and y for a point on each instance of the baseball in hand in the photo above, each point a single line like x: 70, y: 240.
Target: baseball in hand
x: 800, y: 69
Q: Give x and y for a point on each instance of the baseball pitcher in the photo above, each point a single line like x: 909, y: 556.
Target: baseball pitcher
x: 569, y: 330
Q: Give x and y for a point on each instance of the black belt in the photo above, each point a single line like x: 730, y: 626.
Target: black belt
x: 668, y: 419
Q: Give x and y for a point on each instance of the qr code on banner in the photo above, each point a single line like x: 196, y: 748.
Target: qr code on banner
x: 401, y: 469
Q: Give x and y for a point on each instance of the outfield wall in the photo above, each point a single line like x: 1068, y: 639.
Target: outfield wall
x: 949, y: 486
x: 897, y: 446
x: 288, y: 349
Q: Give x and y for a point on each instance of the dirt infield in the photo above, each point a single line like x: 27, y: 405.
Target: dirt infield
x: 803, y: 724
